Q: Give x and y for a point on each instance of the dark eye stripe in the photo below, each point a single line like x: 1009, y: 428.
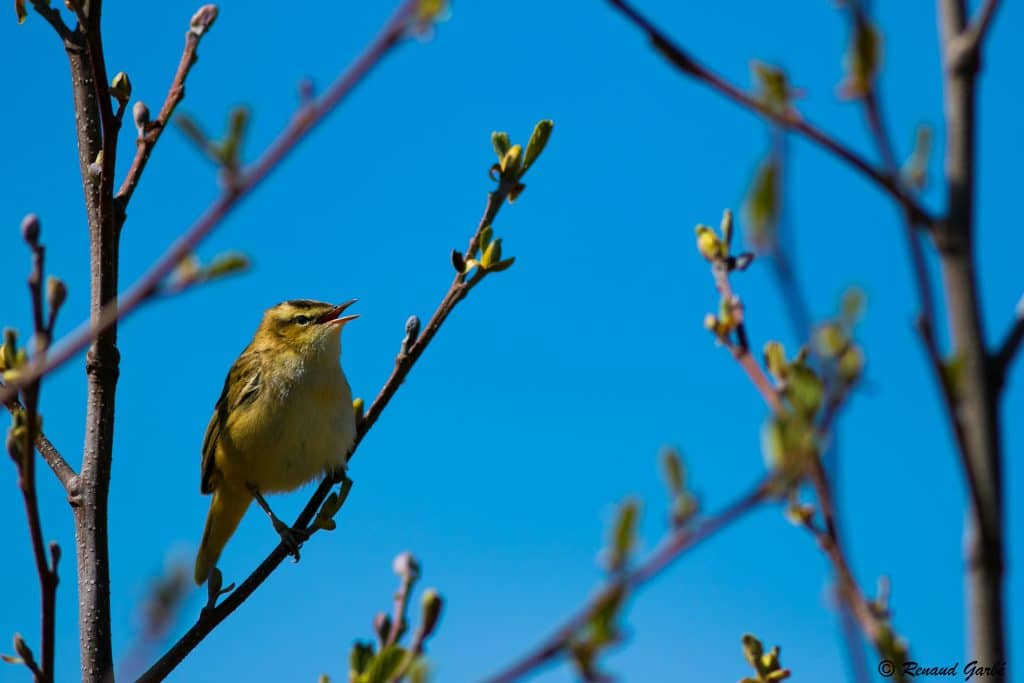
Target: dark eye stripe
x: 302, y: 319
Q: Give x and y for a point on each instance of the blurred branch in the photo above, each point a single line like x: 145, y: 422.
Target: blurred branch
x: 967, y: 47
x: 1010, y: 346
x: 306, y: 118
x: 974, y: 387
x: 411, y: 349
x: 676, y: 544
x: 786, y: 118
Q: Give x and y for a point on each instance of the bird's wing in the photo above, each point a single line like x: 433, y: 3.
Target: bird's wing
x: 242, y: 386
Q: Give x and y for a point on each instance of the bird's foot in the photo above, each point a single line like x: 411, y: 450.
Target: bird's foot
x: 292, y: 537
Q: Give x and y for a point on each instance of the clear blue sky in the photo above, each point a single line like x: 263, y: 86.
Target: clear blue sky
x: 547, y: 396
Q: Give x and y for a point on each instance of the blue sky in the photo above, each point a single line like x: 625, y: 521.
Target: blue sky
x: 548, y: 394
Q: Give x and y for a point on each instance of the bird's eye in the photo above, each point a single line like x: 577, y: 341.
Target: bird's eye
x: 302, y: 319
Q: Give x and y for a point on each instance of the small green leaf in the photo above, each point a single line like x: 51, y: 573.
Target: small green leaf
x: 804, y: 389
x: 851, y: 308
x: 623, y: 535
x: 773, y: 86
x: 191, y: 129
x: 863, y: 59
x: 225, y: 264
x: 762, y: 205
x: 915, y: 171
x: 511, y: 163
x: 492, y: 254
x: 775, y: 360
x: 383, y: 667
x: 501, y: 265
x: 360, y: 657
x: 752, y: 651
x: 501, y: 144
x: 538, y: 140
x: 485, y: 237
x: 673, y: 466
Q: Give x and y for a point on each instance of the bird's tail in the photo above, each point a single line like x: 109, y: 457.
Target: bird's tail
x: 226, y: 510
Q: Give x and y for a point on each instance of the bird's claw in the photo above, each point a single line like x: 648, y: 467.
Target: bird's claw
x: 291, y: 537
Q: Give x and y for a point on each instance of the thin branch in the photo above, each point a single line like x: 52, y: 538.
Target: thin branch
x: 151, y: 131
x: 966, y: 49
x: 1011, y: 345
x: 64, y: 472
x: 304, y: 121
x: 787, y: 119
x: 23, y: 454
x: 402, y: 595
x: 867, y: 618
x: 53, y: 18
x: 410, y: 351
x: 741, y: 349
x: 677, y: 544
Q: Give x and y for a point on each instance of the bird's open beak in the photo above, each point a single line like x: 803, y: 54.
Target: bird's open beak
x: 335, y: 317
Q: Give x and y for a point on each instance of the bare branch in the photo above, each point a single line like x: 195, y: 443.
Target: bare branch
x: 675, y: 546
x: 150, y: 131
x: 966, y: 49
x: 53, y: 18
x: 787, y: 119
x: 1011, y: 344
x: 65, y: 473
x: 307, y: 118
x: 21, y: 446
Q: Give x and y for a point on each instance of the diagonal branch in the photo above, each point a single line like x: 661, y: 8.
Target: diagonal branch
x: 787, y: 119
x: 1010, y: 346
x: 53, y: 18
x: 412, y: 348
x: 150, y: 131
x: 305, y: 120
x: 65, y: 473
x: 674, y: 547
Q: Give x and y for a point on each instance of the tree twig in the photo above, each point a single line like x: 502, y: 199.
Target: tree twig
x: 64, y: 472
x: 675, y: 545
x: 53, y: 18
x: 967, y: 47
x: 305, y: 119
x: 151, y: 131
x: 1010, y: 346
x: 24, y: 456
x: 406, y: 358
x: 787, y: 119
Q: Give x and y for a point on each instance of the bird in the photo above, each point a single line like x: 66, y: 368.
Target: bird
x: 284, y: 418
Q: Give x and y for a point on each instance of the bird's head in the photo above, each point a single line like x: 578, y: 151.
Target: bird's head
x: 307, y: 328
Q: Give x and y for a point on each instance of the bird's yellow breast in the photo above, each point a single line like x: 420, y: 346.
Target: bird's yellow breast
x: 301, y: 426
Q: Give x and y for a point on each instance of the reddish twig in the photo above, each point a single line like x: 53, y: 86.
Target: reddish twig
x: 307, y: 118
x: 785, y: 118
x: 677, y: 543
x: 24, y: 455
x: 151, y: 131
